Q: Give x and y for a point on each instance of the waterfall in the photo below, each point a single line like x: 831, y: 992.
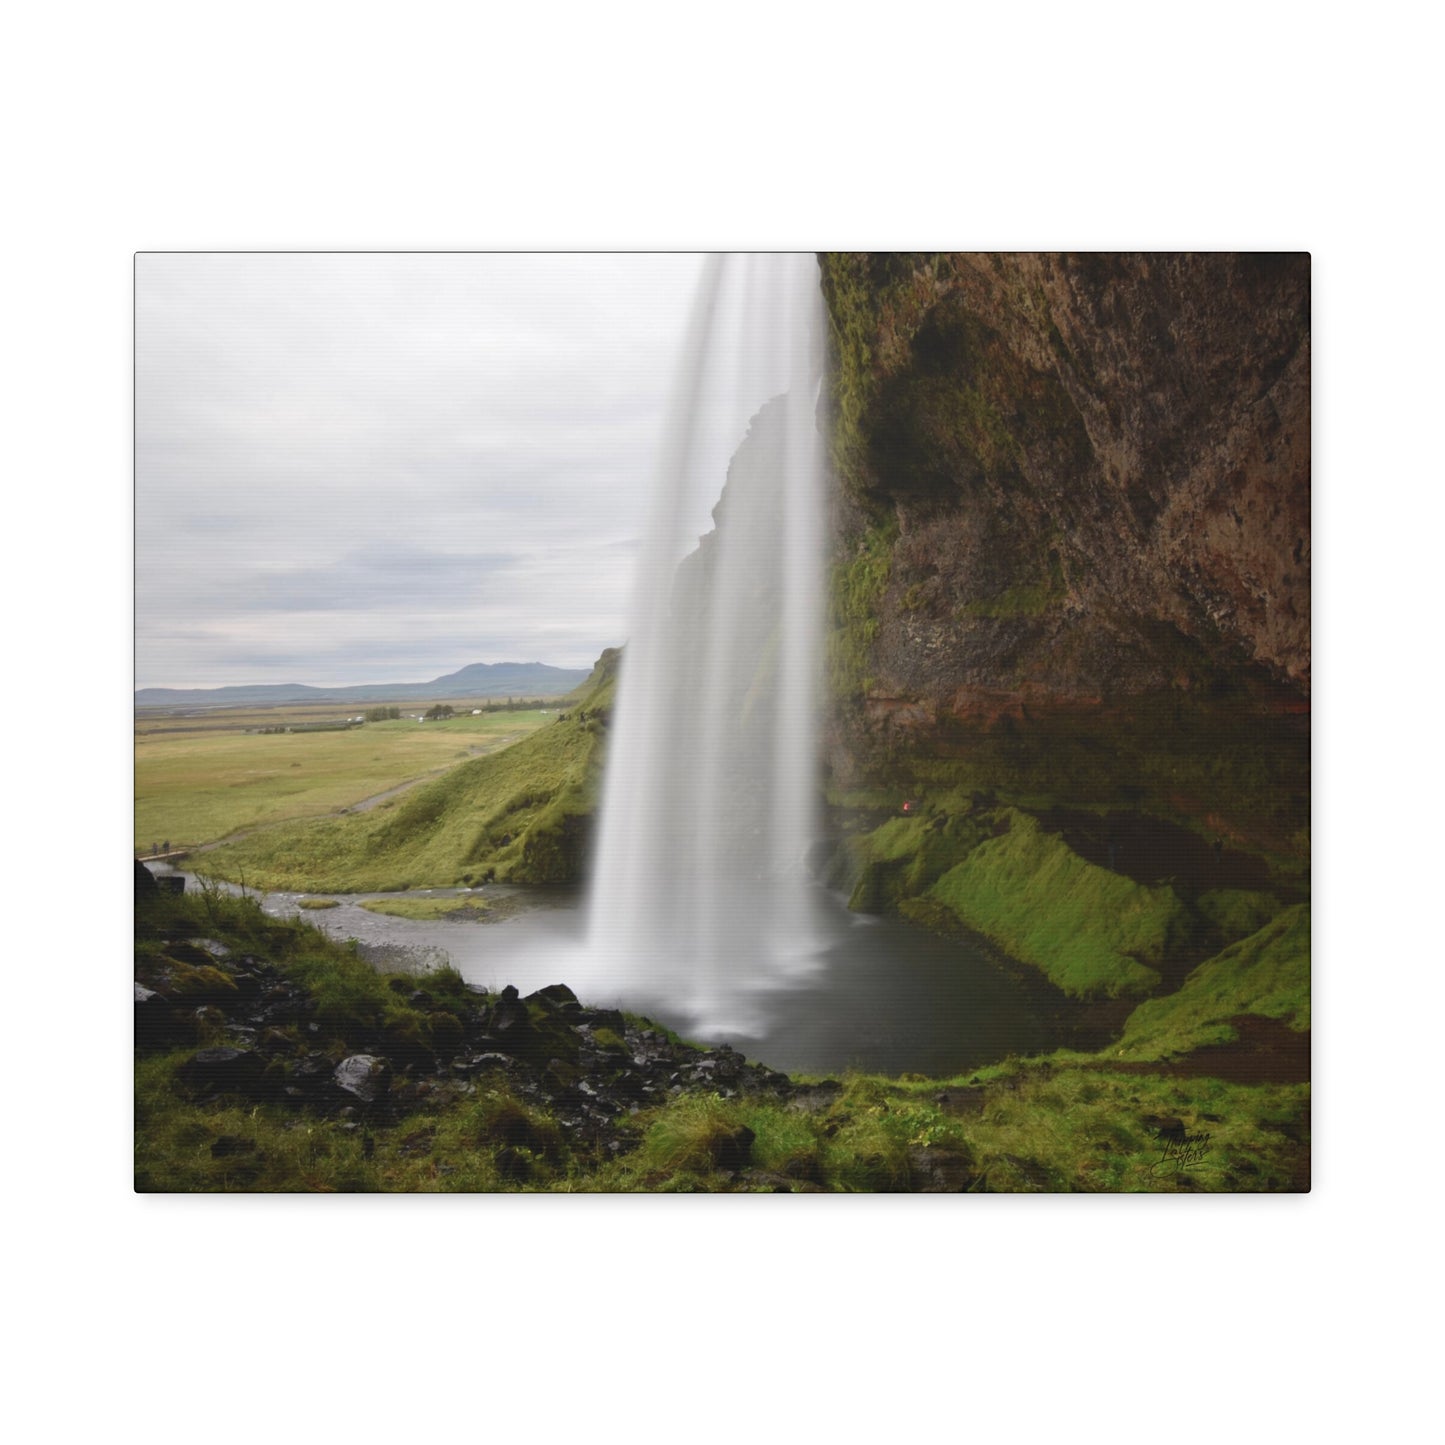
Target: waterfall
x: 700, y: 897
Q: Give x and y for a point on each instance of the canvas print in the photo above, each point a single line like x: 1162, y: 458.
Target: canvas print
x: 783, y: 723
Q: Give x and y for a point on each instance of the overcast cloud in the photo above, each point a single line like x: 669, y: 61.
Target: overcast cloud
x: 366, y: 468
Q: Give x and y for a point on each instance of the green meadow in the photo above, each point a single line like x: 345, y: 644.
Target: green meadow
x: 520, y: 813
x: 208, y: 782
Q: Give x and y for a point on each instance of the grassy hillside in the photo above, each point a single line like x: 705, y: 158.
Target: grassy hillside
x: 1021, y: 881
x: 521, y: 815
x: 1089, y: 930
x: 1266, y: 975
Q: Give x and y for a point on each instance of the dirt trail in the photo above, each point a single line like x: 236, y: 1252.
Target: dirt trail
x: 1266, y: 1052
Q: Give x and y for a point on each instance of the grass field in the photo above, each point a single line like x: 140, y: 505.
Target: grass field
x: 214, y: 778
x: 518, y: 815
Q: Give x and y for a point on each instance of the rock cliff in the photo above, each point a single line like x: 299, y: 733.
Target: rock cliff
x: 1072, y: 541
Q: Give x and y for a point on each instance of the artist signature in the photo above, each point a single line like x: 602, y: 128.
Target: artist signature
x: 1182, y: 1151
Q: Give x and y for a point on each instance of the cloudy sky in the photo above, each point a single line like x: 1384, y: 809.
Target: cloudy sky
x: 375, y: 468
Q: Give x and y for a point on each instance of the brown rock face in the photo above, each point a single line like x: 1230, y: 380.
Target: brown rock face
x: 1069, y: 485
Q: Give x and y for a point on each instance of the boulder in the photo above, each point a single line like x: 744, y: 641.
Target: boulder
x: 509, y: 1025
x: 155, y: 1020
x: 603, y: 1018
x: 365, y: 1076
x: 555, y: 995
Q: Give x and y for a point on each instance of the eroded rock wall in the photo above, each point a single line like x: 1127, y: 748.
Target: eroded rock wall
x: 1074, y: 524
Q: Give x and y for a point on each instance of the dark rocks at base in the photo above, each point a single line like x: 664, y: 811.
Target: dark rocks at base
x: 555, y: 995
x: 723, y: 1065
x: 533, y: 1043
x: 284, y: 1003
x: 601, y: 1018
x: 586, y: 1072
x: 189, y: 950
x: 145, y: 882
x: 157, y: 1023
x: 510, y: 1025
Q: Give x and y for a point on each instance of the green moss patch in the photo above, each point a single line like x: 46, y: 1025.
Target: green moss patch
x: 1235, y: 913
x: 424, y: 908
x: 905, y: 856
x: 1267, y: 973
x: 1090, y: 931
x: 855, y: 595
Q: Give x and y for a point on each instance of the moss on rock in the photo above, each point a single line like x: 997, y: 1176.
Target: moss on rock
x: 1092, y: 932
x: 1267, y: 974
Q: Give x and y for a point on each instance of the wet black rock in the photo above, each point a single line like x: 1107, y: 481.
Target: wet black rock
x: 156, y: 1022
x: 224, y: 1071
x: 555, y: 995
x: 189, y: 951
x: 509, y: 1023
x: 602, y: 1018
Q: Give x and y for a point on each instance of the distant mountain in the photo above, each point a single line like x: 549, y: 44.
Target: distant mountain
x: 480, y: 679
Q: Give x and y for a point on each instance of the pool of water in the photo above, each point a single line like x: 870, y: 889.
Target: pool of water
x: 877, y: 994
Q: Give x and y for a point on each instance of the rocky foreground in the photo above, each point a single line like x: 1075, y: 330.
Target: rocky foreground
x: 588, y: 1069
x: 269, y: 1057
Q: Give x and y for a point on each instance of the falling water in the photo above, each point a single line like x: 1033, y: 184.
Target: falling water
x: 701, y: 899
